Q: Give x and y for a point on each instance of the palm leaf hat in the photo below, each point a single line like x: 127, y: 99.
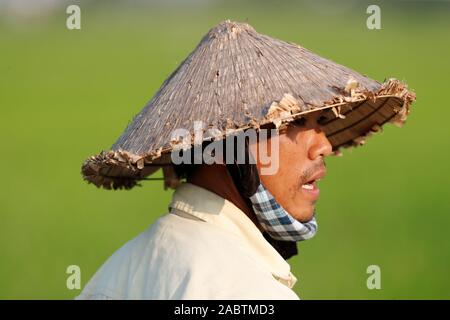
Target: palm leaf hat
x: 237, y: 79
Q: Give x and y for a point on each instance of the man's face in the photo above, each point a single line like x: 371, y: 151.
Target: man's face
x: 302, y: 149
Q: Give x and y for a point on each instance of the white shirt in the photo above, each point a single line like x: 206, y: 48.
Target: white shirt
x: 204, y: 248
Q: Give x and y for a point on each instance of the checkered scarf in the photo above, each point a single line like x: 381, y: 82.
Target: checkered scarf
x: 278, y: 222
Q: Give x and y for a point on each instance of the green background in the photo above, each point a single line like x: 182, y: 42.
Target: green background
x: 68, y: 94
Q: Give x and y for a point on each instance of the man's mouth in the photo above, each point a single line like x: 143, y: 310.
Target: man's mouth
x: 309, y: 185
x: 310, y: 188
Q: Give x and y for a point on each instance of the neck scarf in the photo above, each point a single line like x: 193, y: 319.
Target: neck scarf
x: 278, y: 223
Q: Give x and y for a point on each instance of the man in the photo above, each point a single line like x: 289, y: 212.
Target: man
x: 231, y: 225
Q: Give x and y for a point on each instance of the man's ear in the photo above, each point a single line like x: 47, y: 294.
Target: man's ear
x: 245, y: 176
x: 266, y: 152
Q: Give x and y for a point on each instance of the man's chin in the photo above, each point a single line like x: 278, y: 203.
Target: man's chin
x: 305, y: 214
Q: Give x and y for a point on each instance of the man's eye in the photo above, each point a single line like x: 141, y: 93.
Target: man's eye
x: 322, y: 119
x: 300, y: 122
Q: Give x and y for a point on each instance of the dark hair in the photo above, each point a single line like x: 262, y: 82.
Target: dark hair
x: 185, y: 171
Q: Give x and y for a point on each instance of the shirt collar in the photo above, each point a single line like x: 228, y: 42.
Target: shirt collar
x: 207, y: 206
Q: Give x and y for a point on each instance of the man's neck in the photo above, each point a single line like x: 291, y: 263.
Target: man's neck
x: 216, y: 178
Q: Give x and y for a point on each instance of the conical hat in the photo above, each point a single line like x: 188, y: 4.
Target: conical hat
x: 236, y: 79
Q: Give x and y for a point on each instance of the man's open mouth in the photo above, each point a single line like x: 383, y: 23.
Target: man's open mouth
x: 311, y: 190
x: 311, y: 185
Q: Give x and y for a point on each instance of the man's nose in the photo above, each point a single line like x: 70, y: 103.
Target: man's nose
x: 321, y: 146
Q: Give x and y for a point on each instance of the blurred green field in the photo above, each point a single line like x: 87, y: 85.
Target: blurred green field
x: 65, y: 95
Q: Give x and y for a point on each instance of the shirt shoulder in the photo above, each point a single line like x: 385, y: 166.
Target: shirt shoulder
x: 182, y: 258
